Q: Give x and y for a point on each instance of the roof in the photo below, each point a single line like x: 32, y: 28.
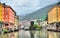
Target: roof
x: 11, y: 9
x: 6, y: 6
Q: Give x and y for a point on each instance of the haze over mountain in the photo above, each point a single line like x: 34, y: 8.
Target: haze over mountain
x: 39, y: 14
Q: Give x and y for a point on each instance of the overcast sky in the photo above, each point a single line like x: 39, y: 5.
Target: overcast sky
x: 23, y: 7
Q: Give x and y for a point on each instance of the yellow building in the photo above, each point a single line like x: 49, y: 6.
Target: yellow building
x: 1, y: 12
x: 54, y: 14
x: 1, y: 16
x: 16, y: 22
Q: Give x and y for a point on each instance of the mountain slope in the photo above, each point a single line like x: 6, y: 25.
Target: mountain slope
x: 39, y: 14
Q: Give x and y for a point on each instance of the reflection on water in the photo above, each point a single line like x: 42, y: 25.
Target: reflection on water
x: 38, y: 34
x: 53, y: 35
x: 9, y: 35
x: 31, y: 34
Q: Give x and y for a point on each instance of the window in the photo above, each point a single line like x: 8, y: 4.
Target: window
x: 0, y: 19
x: 0, y: 11
x: 1, y: 14
x: 6, y: 16
x: 6, y: 24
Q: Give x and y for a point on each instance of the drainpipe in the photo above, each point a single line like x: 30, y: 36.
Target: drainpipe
x: 57, y: 18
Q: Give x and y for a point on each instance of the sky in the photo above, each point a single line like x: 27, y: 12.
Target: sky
x: 23, y: 7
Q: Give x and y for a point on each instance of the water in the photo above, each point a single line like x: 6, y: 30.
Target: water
x: 31, y: 34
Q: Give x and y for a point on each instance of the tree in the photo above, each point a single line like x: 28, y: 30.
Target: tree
x: 38, y: 22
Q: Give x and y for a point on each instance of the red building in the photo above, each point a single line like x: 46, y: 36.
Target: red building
x: 8, y: 16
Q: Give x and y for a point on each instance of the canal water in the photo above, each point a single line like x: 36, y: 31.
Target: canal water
x: 31, y: 34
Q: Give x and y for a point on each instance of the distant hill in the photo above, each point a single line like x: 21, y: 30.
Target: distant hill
x: 22, y: 17
x: 39, y: 14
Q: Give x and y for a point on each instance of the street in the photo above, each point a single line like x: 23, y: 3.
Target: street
x: 31, y: 34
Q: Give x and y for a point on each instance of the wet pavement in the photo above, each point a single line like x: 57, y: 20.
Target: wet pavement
x: 31, y: 34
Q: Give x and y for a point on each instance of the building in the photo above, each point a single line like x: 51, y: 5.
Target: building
x: 8, y: 17
x: 16, y: 22
x: 54, y: 14
x: 54, y: 17
x: 1, y: 16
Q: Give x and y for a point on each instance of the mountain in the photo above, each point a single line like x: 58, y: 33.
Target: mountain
x: 39, y: 14
x: 22, y: 17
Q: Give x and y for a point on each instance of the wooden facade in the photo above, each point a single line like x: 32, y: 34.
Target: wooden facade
x: 54, y: 15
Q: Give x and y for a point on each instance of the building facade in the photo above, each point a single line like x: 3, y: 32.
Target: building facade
x: 54, y: 14
x: 8, y: 17
x: 54, y: 17
x: 16, y: 22
x: 1, y: 16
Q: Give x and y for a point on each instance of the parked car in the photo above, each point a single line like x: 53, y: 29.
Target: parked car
x: 5, y: 30
x: 26, y: 27
x: 16, y: 28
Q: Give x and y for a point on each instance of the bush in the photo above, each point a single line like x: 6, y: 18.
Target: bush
x: 37, y: 26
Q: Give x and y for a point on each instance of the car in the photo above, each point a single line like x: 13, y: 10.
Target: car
x: 26, y: 28
x: 5, y: 30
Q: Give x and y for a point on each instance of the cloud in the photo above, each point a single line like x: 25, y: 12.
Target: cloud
x: 25, y: 10
x: 20, y: 2
x: 28, y: 6
x: 25, y: 3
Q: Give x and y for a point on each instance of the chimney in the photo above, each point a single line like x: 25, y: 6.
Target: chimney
x: 4, y: 4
